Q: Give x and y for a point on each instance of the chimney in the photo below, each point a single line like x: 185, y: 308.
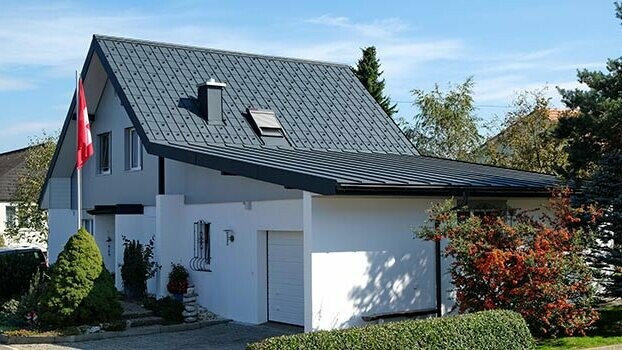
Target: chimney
x: 210, y: 101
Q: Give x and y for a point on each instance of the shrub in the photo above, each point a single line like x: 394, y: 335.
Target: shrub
x: 138, y: 267
x: 482, y: 330
x: 16, y: 272
x: 167, y: 308
x: 534, y: 267
x: 177, y: 279
x: 79, y: 286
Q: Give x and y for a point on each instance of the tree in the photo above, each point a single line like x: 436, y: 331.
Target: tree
x: 368, y: 71
x: 594, y: 146
x: 31, y: 221
x: 80, y: 290
x: 527, y: 141
x: 534, y: 266
x: 446, y: 125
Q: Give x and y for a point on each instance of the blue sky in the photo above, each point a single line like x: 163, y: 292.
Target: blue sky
x: 507, y: 46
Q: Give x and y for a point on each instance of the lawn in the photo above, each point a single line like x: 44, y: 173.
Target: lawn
x: 608, y: 331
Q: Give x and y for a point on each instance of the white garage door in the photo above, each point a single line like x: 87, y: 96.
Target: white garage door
x: 285, y: 285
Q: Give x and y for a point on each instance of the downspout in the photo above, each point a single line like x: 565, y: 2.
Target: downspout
x: 161, y: 176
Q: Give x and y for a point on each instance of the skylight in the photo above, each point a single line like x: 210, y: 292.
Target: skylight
x: 266, y: 122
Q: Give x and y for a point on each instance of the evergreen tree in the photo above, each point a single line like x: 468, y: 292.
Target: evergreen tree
x: 80, y: 290
x: 594, y: 139
x: 368, y: 71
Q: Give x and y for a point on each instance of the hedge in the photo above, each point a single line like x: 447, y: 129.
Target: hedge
x: 499, y: 329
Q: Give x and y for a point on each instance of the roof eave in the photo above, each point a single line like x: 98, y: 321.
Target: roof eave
x: 446, y: 190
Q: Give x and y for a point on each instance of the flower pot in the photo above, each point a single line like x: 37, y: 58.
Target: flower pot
x: 178, y: 297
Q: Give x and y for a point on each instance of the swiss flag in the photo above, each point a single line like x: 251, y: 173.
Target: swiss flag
x: 85, y: 142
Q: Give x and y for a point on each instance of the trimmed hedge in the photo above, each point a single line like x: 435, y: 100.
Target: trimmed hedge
x: 498, y: 329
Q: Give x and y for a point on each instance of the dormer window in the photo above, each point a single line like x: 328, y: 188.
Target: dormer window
x: 266, y: 122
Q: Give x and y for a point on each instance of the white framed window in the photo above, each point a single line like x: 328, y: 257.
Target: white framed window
x: 10, y: 215
x: 104, y: 161
x: 133, y: 150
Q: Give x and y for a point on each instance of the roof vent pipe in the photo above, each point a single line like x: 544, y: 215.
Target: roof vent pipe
x: 210, y: 101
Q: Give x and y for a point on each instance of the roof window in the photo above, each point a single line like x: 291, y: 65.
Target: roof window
x: 266, y: 122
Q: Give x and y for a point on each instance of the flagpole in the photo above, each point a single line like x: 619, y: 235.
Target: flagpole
x: 79, y: 174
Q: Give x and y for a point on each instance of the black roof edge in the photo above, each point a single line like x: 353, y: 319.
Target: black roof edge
x: 475, y: 191
x: 228, y: 52
x: 48, y: 175
x: 286, y: 178
x: 117, y: 209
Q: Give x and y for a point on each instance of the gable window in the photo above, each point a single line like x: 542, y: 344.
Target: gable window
x: 104, y: 154
x: 133, y: 150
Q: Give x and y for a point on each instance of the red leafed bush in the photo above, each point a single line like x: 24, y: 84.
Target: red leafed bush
x: 529, y: 263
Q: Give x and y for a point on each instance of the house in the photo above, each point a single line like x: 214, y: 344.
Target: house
x: 12, y: 167
x: 279, y: 182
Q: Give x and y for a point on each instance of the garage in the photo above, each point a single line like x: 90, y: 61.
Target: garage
x: 285, y: 277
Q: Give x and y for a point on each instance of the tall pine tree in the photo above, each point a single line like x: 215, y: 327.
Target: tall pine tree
x: 595, y: 153
x: 368, y: 71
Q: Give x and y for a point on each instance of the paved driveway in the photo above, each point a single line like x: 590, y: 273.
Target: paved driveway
x: 230, y: 336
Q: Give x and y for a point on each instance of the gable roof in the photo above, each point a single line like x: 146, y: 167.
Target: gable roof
x: 320, y: 105
x: 12, y: 167
x: 339, y: 140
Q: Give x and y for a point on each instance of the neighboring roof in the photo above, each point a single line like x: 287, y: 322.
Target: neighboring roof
x: 339, y: 139
x: 12, y: 167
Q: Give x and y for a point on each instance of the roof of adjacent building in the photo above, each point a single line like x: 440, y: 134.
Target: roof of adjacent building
x: 12, y: 167
x: 339, y: 140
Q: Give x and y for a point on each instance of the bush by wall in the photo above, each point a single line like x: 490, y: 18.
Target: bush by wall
x: 497, y: 329
x: 80, y: 288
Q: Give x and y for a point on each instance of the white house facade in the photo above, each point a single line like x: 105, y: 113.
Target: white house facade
x: 12, y: 168
x: 279, y: 183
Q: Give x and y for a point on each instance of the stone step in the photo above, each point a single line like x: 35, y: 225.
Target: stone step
x: 144, y: 321
x: 131, y: 315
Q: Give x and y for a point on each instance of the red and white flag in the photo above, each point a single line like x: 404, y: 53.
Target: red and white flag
x: 85, y: 142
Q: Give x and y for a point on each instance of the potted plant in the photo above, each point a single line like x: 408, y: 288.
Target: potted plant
x: 177, y: 281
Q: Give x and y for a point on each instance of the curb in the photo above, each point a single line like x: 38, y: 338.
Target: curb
x: 4, y: 339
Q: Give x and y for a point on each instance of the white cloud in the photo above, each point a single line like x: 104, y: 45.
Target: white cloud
x: 27, y: 128
x: 13, y: 84
x: 505, y: 88
x: 379, y: 28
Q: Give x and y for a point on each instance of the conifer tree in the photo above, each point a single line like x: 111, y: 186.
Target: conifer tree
x: 368, y: 71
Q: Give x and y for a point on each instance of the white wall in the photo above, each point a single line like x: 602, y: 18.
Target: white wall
x: 62, y: 225
x: 104, y: 230
x: 365, y: 259
x: 236, y: 286
x: 202, y: 185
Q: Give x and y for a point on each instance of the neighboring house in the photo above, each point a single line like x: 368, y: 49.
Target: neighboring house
x: 497, y: 141
x: 309, y: 191
x: 12, y: 167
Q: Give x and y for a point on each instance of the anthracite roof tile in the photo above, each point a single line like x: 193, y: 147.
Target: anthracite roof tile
x: 339, y: 140
x: 317, y: 103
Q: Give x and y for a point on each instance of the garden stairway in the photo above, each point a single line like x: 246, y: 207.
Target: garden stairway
x: 137, y: 316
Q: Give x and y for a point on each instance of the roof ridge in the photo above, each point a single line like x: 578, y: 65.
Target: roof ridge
x: 229, y: 52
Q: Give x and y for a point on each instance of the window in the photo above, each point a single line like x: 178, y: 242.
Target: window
x: 88, y: 225
x: 11, y: 216
x: 266, y: 122
x: 104, y: 153
x: 133, y: 150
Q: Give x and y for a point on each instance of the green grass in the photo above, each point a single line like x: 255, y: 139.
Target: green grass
x: 608, y: 331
